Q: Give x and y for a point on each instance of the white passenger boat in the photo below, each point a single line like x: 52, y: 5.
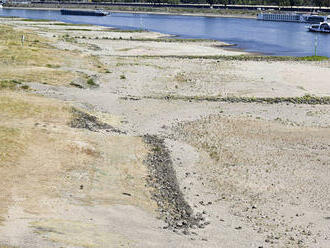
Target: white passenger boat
x: 291, y: 17
x: 323, y: 27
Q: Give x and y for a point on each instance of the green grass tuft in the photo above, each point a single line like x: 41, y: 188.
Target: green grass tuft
x: 313, y: 58
x: 9, y: 84
x: 91, y: 82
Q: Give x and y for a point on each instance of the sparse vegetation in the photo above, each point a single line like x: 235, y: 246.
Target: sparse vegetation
x: 241, y: 57
x: 313, y: 58
x: 25, y: 87
x: 10, y: 145
x: 38, y: 61
x: 306, y: 99
x: 127, y: 30
x: 181, y: 77
x: 9, y: 84
x: 34, y: 20
x: 76, y: 85
x: 91, y: 82
x: 53, y: 66
x: 78, y: 29
x: 56, y: 159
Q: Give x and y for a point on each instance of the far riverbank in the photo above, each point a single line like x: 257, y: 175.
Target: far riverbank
x: 249, y: 14
x: 251, y: 35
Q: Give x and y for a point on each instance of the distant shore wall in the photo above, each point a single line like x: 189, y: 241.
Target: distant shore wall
x: 88, y: 5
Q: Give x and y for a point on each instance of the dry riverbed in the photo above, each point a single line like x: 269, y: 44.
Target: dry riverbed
x: 114, y: 138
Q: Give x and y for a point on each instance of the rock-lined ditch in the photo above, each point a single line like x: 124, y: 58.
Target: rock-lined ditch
x: 306, y: 99
x: 173, y: 208
x: 90, y: 122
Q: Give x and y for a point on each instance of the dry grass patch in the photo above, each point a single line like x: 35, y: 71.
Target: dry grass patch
x: 10, y: 145
x: 38, y: 61
x: 39, y: 74
x: 19, y: 105
x: 44, y: 160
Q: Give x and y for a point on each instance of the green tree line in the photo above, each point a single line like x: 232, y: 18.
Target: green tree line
x: 317, y: 3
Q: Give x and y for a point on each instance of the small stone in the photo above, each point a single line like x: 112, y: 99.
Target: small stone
x: 179, y: 224
x: 238, y: 228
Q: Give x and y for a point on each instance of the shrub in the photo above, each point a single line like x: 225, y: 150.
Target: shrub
x: 91, y: 82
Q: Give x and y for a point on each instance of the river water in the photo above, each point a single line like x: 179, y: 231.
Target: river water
x: 273, y: 38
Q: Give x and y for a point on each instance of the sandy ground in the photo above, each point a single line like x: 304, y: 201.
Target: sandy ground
x: 257, y: 173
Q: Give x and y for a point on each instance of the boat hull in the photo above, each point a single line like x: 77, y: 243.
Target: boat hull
x: 319, y: 30
x: 83, y: 12
x: 323, y: 27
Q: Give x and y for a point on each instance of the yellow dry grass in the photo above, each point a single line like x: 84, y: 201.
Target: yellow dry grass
x: 38, y: 61
x: 22, y: 106
x: 10, y: 145
x: 38, y: 74
x: 18, y: 109
x: 48, y: 165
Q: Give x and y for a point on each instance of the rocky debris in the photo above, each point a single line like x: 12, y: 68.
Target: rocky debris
x: 90, y: 122
x: 173, y: 208
x: 306, y: 99
x: 83, y: 83
x: 129, y: 97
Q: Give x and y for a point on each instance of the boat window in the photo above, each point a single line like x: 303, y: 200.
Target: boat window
x: 315, y: 18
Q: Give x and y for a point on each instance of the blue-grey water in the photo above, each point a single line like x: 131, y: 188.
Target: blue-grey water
x: 273, y: 38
